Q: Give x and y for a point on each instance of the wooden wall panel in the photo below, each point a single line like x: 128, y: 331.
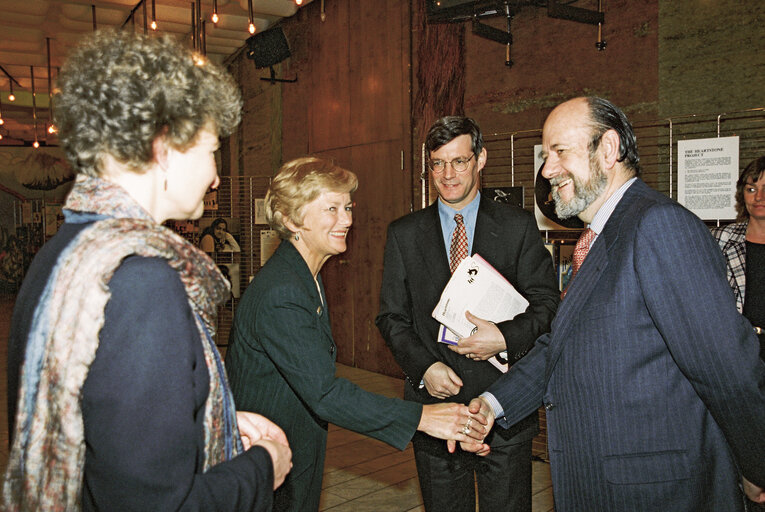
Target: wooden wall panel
x: 380, y: 199
x: 378, y: 46
x: 330, y: 76
x: 357, y: 65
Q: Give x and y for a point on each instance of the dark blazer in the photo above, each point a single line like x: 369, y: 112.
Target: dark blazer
x: 651, y: 379
x: 416, y: 271
x: 143, y: 401
x: 281, y: 363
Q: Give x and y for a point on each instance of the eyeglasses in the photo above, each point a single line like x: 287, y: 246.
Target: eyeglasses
x: 458, y: 164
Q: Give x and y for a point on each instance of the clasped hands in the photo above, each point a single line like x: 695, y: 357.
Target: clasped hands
x: 257, y: 430
x: 456, y: 422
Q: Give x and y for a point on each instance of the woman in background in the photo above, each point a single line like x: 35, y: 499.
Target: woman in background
x: 743, y: 245
x: 123, y: 403
x: 281, y: 360
x: 216, y: 238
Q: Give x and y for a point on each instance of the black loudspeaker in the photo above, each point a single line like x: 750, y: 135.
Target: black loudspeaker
x: 268, y: 48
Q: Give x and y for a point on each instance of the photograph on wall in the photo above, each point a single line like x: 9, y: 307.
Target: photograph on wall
x: 553, y: 250
x: 260, y: 212
x: 565, y: 256
x: 211, y: 201
x: 707, y: 171
x: 231, y: 272
x: 219, y: 235
x: 269, y: 241
x: 507, y: 195
x: 54, y: 218
x: 544, y: 206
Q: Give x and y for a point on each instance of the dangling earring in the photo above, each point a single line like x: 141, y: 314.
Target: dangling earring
x: 165, y: 181
x: 297, y: 236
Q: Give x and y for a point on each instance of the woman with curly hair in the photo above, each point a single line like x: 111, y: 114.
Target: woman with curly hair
x: 123, y: 403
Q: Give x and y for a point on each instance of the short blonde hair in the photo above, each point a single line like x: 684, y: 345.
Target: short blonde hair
x: 299, y: 182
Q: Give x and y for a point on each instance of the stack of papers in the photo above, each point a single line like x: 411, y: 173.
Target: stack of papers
x: 477, y: 287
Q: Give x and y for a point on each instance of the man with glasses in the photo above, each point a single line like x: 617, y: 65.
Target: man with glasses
x: 420, y: 249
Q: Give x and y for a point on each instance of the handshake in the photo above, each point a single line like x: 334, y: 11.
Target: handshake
x: 467, y: 424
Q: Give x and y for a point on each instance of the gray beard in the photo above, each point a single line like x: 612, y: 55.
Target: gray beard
x: 585, y: 193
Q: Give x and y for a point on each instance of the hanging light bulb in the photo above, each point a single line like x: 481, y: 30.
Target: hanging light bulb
x: 298, y: 2
x: 51, y: 128
x: 2, y: 121
x: 251, y: 28
x: 11, y: 97
x: 214, y: 17
x: 34, y: 104
x: 153, y: 15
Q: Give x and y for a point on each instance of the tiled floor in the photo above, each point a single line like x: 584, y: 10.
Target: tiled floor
x: 360, y: 474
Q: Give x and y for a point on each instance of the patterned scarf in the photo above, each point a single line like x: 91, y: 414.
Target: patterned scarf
x: 45, y: 469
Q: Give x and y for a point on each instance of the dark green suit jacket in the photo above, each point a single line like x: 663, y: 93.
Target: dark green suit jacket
x: 281, y: 363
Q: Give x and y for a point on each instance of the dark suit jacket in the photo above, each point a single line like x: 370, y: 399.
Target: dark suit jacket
x: 281, y: 363
x: 652, y: 380
x: 415, y: 272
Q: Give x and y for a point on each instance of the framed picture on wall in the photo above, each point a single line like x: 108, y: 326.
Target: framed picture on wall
x: 565, y: 256
x: 507, y: 195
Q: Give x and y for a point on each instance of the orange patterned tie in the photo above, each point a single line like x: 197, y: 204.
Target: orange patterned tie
x: 459, y: 247
x: 581, y: 249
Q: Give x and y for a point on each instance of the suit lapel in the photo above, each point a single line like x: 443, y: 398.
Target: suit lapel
x: 486, y: 237
x: 589, y: 276
x: 430, y: 243
x: 297, y: 263
x: 577, y: 295
x: 322, y: 303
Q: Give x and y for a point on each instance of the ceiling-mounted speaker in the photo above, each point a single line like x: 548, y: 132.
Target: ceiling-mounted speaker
x: 268, y: 48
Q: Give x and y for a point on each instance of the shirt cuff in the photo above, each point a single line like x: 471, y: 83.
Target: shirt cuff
x: 494, y: 403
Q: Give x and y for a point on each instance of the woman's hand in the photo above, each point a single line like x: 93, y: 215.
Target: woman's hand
x: 257, y: 430
x: 254, y: 427
x: 232, y: 242
x: 478, y: 406
x: 453, y: 422
x: 754, y: 493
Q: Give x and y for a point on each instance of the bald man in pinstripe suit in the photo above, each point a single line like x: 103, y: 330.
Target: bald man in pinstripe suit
x: 654, y: 392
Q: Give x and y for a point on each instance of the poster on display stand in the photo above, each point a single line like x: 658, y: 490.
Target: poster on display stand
x: 707, y: 171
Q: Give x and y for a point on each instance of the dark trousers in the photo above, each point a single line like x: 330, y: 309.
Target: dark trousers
x: 447, y: 481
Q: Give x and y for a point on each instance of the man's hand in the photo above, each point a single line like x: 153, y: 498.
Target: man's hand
x: 441, y: 381
x: 754, y: 493
x: 485, y: 342
x: 480, y: 408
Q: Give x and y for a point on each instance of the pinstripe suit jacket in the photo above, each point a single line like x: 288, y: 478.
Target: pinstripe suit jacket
x: 652, y: 380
